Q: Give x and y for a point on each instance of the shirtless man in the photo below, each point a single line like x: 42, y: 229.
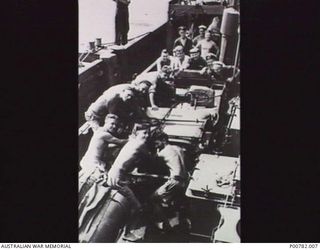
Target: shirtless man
x: 207, y: 46
x: 93, y: 163
x: 135, y: 150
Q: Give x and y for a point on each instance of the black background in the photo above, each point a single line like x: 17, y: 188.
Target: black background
x: 280, y: 125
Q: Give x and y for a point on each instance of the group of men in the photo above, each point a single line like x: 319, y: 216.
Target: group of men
x: 123, y: 140
x: 200, y: 53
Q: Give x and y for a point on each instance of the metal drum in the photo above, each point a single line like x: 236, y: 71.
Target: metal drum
x: 102, y: 214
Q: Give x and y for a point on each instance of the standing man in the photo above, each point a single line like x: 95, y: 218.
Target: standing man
x: 183, y: 40
x: 207, y: 46
x: 122, y: 22
x: 202, y: 31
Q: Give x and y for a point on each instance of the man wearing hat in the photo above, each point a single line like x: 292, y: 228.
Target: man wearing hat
x: 202, y: 30
x: 183, y: 40
x: 219, y: 71
x: 196, y: 62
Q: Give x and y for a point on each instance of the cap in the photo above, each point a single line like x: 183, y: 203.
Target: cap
x: 211, y: 56
x: 218, y: 63
x: 194, y: 50
x: 202, y: 27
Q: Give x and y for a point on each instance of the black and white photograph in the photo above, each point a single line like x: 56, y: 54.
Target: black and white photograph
x: 159, y: 121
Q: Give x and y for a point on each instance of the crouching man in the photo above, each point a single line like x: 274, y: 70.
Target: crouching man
x: 174, y: 158
x: 93, y: 164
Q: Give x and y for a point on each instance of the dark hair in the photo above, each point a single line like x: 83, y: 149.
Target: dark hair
x: 159, y: 136
x: 111, y: 116
x: 164, y: 51
x: 138, y: 126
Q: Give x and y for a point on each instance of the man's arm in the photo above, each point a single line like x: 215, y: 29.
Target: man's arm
x: 112, y: 139
x: 152, y: 90
x: 158, y: 64
x: 185, y: 63
x: 216, y: 48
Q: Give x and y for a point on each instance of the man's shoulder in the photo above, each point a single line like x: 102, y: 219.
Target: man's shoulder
x: 149, y: 76
x: 116, y: 88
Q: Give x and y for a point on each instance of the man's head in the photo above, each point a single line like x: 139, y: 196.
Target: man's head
x: 178, y: 51
x: 111, y: 123
x: 143, y: 86
x: 160, y: 140
x: 126, y: 94
x: 141, y: 131
x: 165, y: 54
x: 207, y: 36
x: 217, y: 67
x: 210, y: 59
x: 202, y: 30
x: 165, y: 72
x: 194, y: 53
x: 182, y: 31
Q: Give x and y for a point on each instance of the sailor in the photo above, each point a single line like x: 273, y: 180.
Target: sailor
x: 120, y: 99
x: 93, y: 164
x: 230, y: 76
x: 219, y: 71
x: 131, y: 156
x: 196, y: 62
x: 122, y: 22
x: 202, y: 30
x: 208, y: 70
x: 162, y: 90
x: 180, y: 61
x: 183, y: 40
x: 164, y: 59
x: 207, y: 46
x: 175, y: 160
